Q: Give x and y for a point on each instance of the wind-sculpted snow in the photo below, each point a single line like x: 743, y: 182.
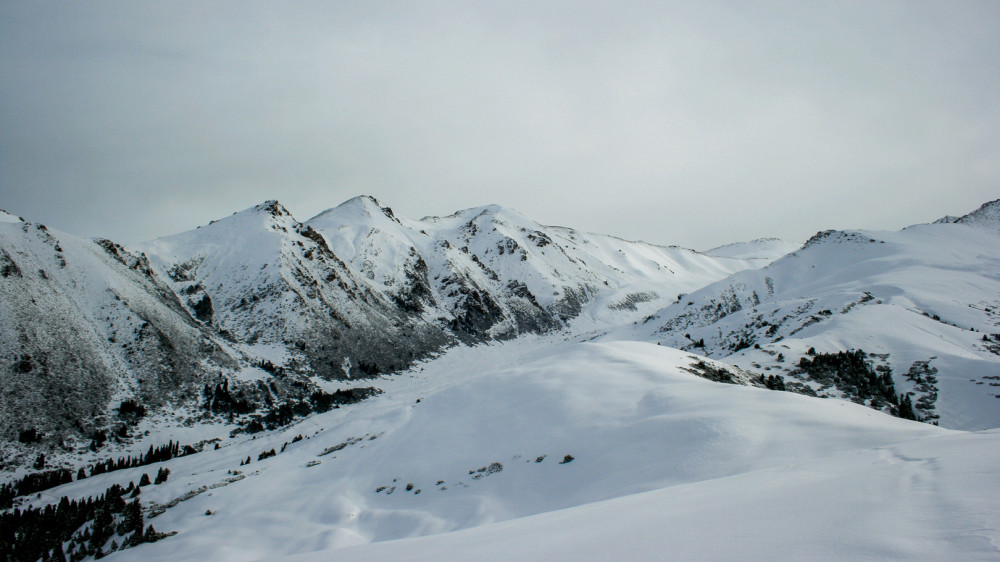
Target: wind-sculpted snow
x: 927, y: 295
x: 930, y: 499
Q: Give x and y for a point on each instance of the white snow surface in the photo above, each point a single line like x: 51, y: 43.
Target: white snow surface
x: 659, y: 454
x: 7, y: 217
x: 929, y: 499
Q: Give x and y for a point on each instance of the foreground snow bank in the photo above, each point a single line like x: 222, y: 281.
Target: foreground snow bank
x: 497, y: 433
x: 932, y: 499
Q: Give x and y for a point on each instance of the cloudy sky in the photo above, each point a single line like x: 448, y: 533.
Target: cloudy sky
x: 691, y: 123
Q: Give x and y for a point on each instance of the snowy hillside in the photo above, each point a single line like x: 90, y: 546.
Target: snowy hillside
x: 463, y: 443
x: 929, y: 499
x: 923, y: 302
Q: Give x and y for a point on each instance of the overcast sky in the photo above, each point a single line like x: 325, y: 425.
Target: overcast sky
x: 691, y: 123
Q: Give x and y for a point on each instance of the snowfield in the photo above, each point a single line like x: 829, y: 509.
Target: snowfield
x: 664, y: 465
x: 930, y: 499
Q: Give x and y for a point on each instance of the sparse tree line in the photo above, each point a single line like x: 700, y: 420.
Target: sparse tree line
x: 39, y: 481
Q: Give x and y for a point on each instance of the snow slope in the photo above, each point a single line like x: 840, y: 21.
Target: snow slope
x: 928, y: 499
x: 630, y: 415
x: 924, y: 300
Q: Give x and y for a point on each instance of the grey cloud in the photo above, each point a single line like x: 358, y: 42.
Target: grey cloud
x: 687, y: 123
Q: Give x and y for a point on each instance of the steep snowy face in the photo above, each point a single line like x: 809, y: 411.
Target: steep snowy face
x: 922, y: 303
x: 86, y: 324
x: 381, y: 250
x: 261, y: 277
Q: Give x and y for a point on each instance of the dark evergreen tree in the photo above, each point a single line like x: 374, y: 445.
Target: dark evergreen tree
x: 161, y: 475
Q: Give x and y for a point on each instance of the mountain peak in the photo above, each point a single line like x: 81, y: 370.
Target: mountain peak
x: 355, y: 207
x: 272, y: 207
x: 492, y: 211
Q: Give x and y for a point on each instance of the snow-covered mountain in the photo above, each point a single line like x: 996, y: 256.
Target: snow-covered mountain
x: 492, y: 272
x: 363, y: 386
x: 264, y: 280
x: 87, y: 323
x: 273, y: 309
x: 923, y: 302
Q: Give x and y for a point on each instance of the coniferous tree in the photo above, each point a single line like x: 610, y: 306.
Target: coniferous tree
x: 161, y: 475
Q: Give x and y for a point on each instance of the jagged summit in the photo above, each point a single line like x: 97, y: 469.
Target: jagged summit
x: 988, y: 215
x: 359, y: 208
x: 270, y: 208
x: 273, y: 207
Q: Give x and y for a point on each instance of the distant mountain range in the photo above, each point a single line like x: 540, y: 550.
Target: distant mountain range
x: 357, y: 291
